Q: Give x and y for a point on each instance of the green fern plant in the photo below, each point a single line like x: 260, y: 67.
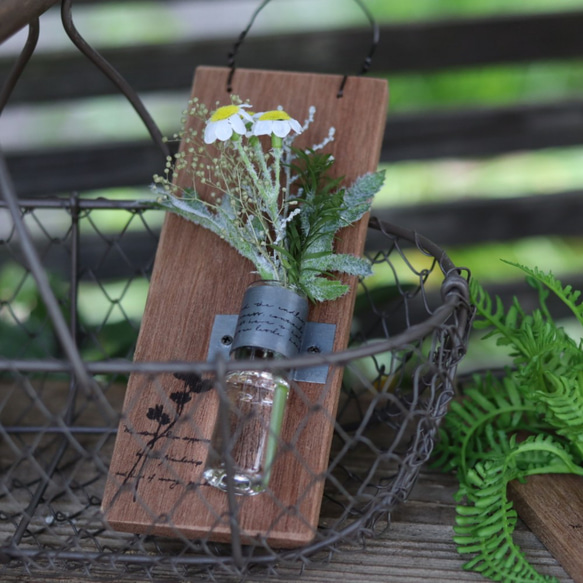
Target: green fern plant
x: 540, y: 397
x: 485, y: 525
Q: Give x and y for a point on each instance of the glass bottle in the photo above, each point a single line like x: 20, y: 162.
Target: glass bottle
x: 270, y: 326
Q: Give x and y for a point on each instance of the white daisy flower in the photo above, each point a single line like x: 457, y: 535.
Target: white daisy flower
x: 276, y: 123
x: 225, y: 121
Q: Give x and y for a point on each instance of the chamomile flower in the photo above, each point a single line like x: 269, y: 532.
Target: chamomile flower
x: 225, y: 121
x: 275, y: 123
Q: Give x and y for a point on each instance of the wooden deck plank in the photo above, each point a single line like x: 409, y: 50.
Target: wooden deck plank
x: 418, y: 546
x: 552, y: 506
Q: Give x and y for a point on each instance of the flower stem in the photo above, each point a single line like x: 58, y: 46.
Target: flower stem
x: 274, y: 205
x: 263, y: 162
x: 248, y: 164
x: 275, y: 424
x: 276, y: 169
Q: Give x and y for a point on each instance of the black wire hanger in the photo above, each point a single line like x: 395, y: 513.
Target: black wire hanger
x: 363, y: 70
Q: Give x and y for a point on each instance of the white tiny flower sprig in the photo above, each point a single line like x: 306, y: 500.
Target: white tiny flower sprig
x: 284, y: 222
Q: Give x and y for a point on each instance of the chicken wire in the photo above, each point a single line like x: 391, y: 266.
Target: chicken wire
x: 74, y: 275
x: 409, y: 333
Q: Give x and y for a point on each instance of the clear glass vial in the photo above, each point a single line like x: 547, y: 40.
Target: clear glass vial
x: 270, y: 326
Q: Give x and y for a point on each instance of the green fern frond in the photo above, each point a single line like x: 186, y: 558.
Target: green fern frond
x: 570, y: 297
x: 480, y: 424
x: 533, y: 340
x: 490, y: 314
x: 484, y: 526
x: 563, y: 407
x: 542, y: 395
x: 540, y: 345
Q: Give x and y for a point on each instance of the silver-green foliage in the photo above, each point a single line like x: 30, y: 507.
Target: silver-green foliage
x: 541, y: 396
x: 288, y: 238
x: 325, y: 208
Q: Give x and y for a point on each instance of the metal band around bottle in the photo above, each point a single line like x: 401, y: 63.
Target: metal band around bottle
x: 272, y: 318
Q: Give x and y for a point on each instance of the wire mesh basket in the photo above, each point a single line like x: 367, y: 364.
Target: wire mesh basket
x: 74, y: 276
x: 409, y: 333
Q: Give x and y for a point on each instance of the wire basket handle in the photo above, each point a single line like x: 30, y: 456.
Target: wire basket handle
x: 363, y: 70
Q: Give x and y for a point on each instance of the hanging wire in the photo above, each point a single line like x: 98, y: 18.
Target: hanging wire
x: 21, y: 62
x: 231, y: 61
x: 113, y: 75
x: 375, y: 42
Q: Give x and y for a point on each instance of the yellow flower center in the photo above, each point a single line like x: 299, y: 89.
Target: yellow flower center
x: 224, y: 112
x: 275, y: 115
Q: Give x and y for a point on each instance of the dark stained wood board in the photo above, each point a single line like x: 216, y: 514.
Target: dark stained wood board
x: 551, y: 505
x: 196, y: 276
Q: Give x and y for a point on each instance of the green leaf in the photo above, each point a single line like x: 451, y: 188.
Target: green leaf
x: 542, y: 395
x: 358, y: 197
x: 570, y: 297
x: 320, y: 289
x: 221, y: 223
x: 340, y: 262
x: 485, y: 527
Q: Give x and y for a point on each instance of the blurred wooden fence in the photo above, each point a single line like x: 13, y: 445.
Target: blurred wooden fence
x: 412, y: 47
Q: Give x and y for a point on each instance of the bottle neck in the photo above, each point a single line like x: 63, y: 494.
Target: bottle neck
x: 254, y: 353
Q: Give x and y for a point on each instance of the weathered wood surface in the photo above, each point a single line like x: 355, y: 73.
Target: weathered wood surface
x: 552, y: 506
x: 187, y: 290
x: 417, y: 547
x: 417, y: 136
x: 14, y: 14
x: 418, y: 46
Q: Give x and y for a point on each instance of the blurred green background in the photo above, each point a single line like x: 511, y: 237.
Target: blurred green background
x: 107, y: 24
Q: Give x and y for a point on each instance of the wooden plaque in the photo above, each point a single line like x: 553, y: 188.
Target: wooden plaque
x: 155, y: 483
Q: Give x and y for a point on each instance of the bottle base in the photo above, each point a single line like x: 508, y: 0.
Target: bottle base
x: 243, y: 484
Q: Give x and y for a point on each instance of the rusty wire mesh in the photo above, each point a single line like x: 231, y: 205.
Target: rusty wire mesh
x: 408, y: 335
x: 74, y: 275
